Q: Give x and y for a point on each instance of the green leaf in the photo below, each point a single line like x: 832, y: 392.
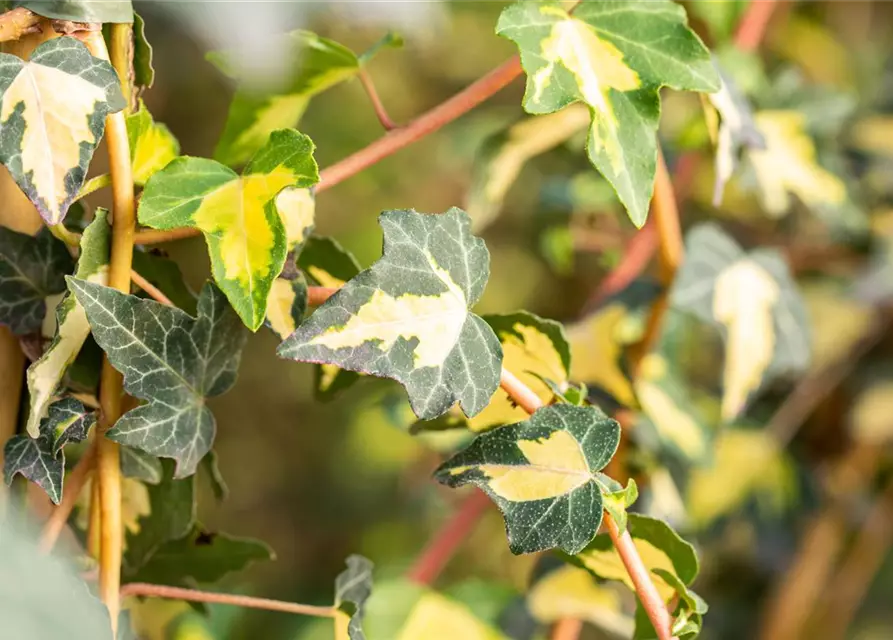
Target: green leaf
x: 286, y: 305
x: 52, y: 116
x: 172, y: 516
x: 752, y: 298
x: 140, y: 465
x: 254, y: 116
x: 618, y: 499
x: 41, y: 459
x: 31, y: 269
x: 328, y: 264
x: 201, y: 557
x: 165, y: 274
x: 353, y: 586
x: 407, y: 317
x: 152, y: 145
x: 503, y: 155
x: 661, y: 549
x: 72, y: 328
x: 80, y: 10
x: 172, y: 361
x: 687, y: 615
x: 613, y: 56
x: 215, y: 478
x: 541, y: 473
x: 249, y: 221
x: 143, y: 71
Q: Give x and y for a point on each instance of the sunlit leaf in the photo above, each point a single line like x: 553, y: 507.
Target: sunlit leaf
x: 41, y: 459
x: 613, y: 57
x: 504, y: 154
x: 45, y: 375
x: 542, y: 474
x: 352, y: 589
x: 80, y: 10
x: 172, y: 361
x: 407, y: 317
x: 52, y: 116
x: 753, y: 298
x: 286, y: 305
x: 32, y: 268
x: 152, y: 145
x: 247, y: 220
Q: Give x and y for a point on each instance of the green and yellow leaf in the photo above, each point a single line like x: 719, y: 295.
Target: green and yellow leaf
x: 46, y: 374
x: 353, y: 586
x: 52, y: 116
x: 96, y: 11
x: 613, y: 57
x: 152, y: 145
x: 41, y: 459
x: 542, y: 474
x: 249, y: 221
x: 286, y: 305
x: 171, y: 360
x: 407, y: 317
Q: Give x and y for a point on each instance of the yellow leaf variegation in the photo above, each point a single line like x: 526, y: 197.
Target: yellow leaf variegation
x: 152, y: 145
x: 249, y: 221
x: 52, y: 116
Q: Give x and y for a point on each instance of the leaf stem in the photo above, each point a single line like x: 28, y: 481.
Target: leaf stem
x: 753, y: 24
x: 93, y: 184
x: 18, y: 22
x: 74, y: 484
x: 317, y: 295
x: 156, y: 236
x: 194, y: 595
x: 380, y: 111
x: 523, y: 396
x: 566, y: 629
x: 153, y: 291
x: 111, y: 382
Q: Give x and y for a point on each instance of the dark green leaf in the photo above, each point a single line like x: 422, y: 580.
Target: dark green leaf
x: 165, y: 274
x: 169, y: 359
x: 542, y: 474
x: 140, y: 465
x: 353, y: 587
x: 31, y: 268
x: 143, y: 71
x: 407, y: 317
x: 218, y: 484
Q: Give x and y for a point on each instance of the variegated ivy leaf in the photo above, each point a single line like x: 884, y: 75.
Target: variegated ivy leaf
x: 672, y: 562
x: 41, y: 459
x: 94, y: 11
x: 45, y: 375
x: 737, y: 130
x: 407, y: 317
x: 543, y: 475
x: 172, y: 361
x: 253, y: 115
x: 152, y: 145
x: 32, y: 268
x: 286, y: 305
x: 788, y: 166
x: 613, y: 56
x: 328, y: 264
x: 249, y: 221
x: 353, y: 586
x: 754, y: 300
x: 52, y: 116
x: 504, y: 154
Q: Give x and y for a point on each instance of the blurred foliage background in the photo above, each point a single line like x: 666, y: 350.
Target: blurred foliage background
x: 319, y: 481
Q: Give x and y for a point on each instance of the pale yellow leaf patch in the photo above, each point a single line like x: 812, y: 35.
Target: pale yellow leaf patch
x: 608, y: 565
x: 435, y: 617
x: 279, y: 112
x: 51, y: 142
x: 436, y: 321
x: 155, y: 147
x: 788, y: 165
x: 324, y: 278
x: 745, y: 297
x: 297, y: 209
x: 870, y: 416
x: 279, y: 304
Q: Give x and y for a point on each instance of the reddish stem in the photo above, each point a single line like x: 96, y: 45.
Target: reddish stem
x: 380, y: 112
x: 317, y: 295
x: 441, y: 548
x: 753, y: 24
x: 567, y: 629
x: 519, y: 392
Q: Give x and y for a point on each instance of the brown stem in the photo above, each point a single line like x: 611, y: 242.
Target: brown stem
x: 441, y: 548
x: 317, y: 295
x: 153, y: 291
x: 380, y: 111
x: 194, y: 595
x: 74, y: 484
x: 566, y: 629
x: 154, y: 236
x: 17, y: 23
x: 753, y: 24
x: 523, y: 395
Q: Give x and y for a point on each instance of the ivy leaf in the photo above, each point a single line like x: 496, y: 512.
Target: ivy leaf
x: 737, y: 131
x: 32, y: 268
x: 165, y: 274
x: 503, y: 155
x: 328, y: 264
x: 80, y: 10
x: 41, y: 459
x: 245, y: 219
x: 253, y: 115
x: 618, y: 499
x: 52, y: 116
x: 201, y: 557
x: 788, y: 166
x: 286, y: 305
x: 541, y: 473
x: 753, y: 299
x: 140, y: 465
x: 613, y: 57
x: 407, y: 317
x: 172, y: 361
x: 215, y: 477
x: 353, y: 586
x: 152, y: 145
x: 72, y: 328
x: 143, y: 71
